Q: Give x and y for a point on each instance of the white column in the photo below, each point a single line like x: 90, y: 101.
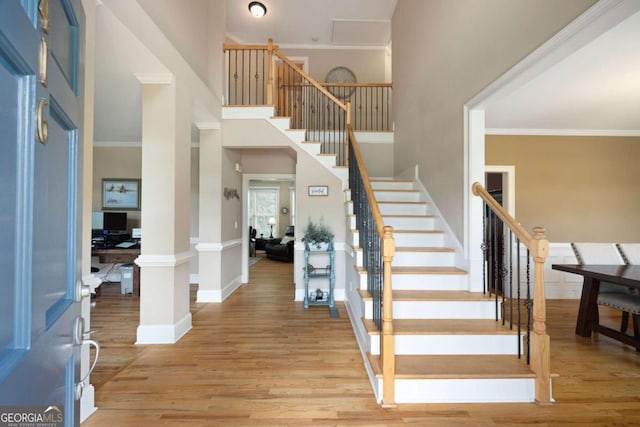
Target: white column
x: 476, y: 130
x: 210, y: 216
x: 165, y: 188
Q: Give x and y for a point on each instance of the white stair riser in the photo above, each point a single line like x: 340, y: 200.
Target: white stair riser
x: 418, y: 240
x: 403, y: 209
x: 327, y: 161
x: 311, y: 148
x: 450, y: 344
x: 438, y: 309
x: 253, y: 112
x: 457, y: 344
x: 282, y: 123
x: 410, y: 223
x: 416, y: 259
x: 392, y: 185
x: 297, y: 136
x: 424, y: 282
x: 508, y: 390
x: 423, y: 259
x: 394, y: 196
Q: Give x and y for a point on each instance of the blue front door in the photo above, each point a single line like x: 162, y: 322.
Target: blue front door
x: 40, y: 152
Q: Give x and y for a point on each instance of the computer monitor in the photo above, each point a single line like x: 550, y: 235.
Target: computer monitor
x: 115, y: 222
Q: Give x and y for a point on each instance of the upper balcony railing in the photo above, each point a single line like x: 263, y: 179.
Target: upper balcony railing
x: 261, y: 75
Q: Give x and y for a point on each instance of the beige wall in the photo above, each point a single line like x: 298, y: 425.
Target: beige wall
x: 116, y: 162
x: 195, y: 28
x: 578, y: 188
x: 444, y: 53
x: 367, y: 65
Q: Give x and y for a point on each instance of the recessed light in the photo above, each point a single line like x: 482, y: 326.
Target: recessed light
x: 257, y: 9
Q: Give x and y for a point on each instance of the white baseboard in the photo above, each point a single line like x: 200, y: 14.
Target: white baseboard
x: 205, y: 296
x: 87, y: 402
x: 164, y: 334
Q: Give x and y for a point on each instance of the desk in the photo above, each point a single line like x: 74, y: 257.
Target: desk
x: 627, y: 275
x: 121, y: 256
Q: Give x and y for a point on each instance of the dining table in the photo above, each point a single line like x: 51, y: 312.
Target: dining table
x: 588, y: 321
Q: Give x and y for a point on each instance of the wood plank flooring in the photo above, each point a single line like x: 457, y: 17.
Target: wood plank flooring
x: 260, y: 359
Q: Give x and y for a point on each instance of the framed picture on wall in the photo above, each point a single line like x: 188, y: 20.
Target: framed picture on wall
x: 318, y: 190
x: 120, y: 194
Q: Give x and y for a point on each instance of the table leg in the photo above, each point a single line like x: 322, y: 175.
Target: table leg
x: 588, y: 312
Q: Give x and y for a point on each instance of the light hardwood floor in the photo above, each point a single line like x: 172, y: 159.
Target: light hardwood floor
x: 260, y: 359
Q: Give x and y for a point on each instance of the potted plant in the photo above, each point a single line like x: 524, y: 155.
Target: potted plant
x: 317, y: 236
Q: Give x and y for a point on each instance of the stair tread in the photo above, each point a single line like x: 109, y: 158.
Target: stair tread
x: 401, y: 295
x: 421, y: 270
x: 443, y: 327
x: 401, y: 203
x: 429, y: 295
x: 399, y: 181
x: 396, y: 190
x: 395, y: 231
x: 423, y: 249
x: 407, y: 216
x: 455, y: 366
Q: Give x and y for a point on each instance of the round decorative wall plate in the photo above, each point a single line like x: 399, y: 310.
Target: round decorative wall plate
x: 284, y: 210
x: 341, y: 75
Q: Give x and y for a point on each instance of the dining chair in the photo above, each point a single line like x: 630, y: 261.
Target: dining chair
x: 630, y: 252
x: 611, y: 295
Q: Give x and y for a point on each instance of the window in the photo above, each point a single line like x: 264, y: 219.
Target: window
x: 263, y: 204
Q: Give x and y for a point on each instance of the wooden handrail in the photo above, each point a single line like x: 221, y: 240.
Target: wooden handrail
x: 357, y: 84
x: 310, y: 80
x: 538, y: 246
x: 227, y: 47
x: 508, y: 220
x: 375, y: 211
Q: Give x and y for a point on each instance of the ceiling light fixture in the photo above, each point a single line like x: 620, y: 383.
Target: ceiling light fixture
x: 257, y: 9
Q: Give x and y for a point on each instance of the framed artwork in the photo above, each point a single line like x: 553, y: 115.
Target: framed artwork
x: 120, y: 194
x: 318, y: 190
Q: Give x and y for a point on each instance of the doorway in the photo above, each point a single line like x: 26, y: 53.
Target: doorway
x: 500, y: 183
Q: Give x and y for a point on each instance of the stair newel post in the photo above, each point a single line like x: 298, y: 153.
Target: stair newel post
x: 270, y: 49
x: 346, y: 133
x: 388, y: 340
x: 540, y: 341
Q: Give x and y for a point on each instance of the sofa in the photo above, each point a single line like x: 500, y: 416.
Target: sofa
x: 282, y: 251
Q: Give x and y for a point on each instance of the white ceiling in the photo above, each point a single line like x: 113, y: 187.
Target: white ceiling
x: 313, y: 23
x: 594, y: 91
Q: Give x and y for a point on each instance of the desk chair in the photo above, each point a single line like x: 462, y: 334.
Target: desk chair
x: 611, y: 295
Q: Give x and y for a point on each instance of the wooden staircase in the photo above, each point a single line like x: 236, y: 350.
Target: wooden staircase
x: 449, y: 346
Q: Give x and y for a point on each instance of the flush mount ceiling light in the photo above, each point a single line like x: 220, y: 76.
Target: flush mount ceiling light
x: 257, y: 9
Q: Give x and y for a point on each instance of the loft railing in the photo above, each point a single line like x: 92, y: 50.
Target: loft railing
x: 378, y: 246
x: 261, y: 75
x: 370, y: 104
x: 519, y: 299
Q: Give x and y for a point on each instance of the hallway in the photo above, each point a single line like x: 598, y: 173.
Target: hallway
x: 260, y: 359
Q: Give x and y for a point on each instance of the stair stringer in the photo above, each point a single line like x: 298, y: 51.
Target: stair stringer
x: 511, y: 386
x: 296, y: 136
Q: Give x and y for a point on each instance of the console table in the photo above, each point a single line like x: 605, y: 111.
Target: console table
x: 121, y: 256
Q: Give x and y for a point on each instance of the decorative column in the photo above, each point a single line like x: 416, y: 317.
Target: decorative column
x: 210, y: 216
x: 165, y: 188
